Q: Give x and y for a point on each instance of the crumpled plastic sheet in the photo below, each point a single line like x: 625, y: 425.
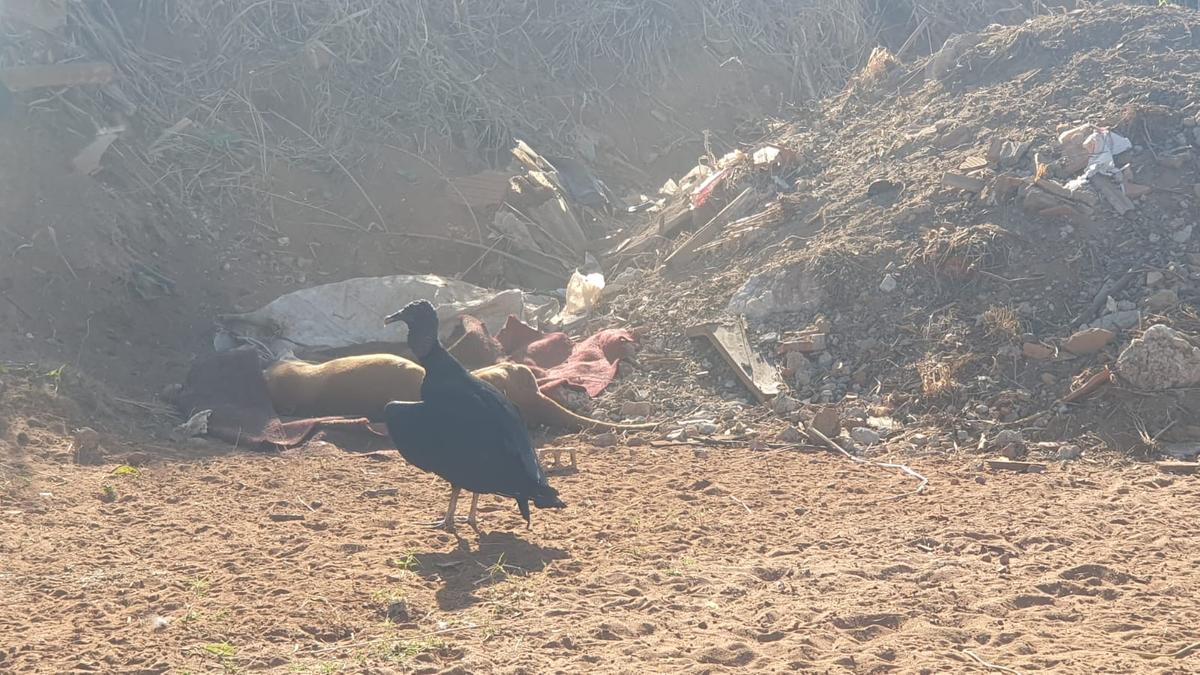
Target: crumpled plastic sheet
x: 351, y: 312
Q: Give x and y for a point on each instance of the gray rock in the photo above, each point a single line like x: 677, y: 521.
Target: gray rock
x: 888, y: 284
x: 1118, y: 321
x: 1069, y: 452
x: 787, y: 290
x: 636, y: 409
x: 784, y: 404
x: 605, y: 440
x: 865, y: 436
x: 1160, y: 300
x: 1161, y: 359
x: 1182, y: 236
x: 790, y: 435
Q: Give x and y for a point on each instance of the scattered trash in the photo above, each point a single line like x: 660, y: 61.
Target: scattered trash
x: 197, y: 425
x: 583, y: 292
x: 1163, y: 358
x: 1102, y: 147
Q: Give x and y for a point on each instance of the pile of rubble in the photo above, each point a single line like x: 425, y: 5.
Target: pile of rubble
x: 1000, y: 257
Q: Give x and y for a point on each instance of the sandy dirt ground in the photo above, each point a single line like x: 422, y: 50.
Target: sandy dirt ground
x: 668, y: 560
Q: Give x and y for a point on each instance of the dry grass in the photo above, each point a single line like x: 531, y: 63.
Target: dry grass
x: 939, y: 374
x: 351, y: 73
x: 961, y: 253
x: 1002, y: 322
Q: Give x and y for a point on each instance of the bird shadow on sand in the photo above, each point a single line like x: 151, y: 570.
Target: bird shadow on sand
x: 466, y: 572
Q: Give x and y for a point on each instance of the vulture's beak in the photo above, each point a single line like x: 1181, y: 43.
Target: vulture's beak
x: 391, y: 318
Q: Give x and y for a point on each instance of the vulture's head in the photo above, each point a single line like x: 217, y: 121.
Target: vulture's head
x: 422, y: 321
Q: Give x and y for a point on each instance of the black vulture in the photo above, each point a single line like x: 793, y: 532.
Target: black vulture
x: 463, y: 429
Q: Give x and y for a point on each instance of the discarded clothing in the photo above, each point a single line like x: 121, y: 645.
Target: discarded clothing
x: 231, y: 384
x: 589, y: 365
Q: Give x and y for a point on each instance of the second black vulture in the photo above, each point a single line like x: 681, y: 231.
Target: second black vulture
x: 463, y: 429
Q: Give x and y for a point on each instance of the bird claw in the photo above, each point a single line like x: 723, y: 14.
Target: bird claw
x: 443, y: 524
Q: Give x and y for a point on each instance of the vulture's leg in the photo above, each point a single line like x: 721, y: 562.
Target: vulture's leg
x: 447, y: 523
x: 471, y: 520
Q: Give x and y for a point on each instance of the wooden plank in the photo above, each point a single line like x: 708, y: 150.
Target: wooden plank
x: 731, y: 342
x: 1019, y: 467
x: 687, y: 250
x: 1180, y: 468
x: 675, y: 215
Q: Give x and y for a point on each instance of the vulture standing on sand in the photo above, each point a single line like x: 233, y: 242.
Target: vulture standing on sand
x: 463, y: 429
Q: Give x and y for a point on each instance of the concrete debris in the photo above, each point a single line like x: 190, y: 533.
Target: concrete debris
x: 1161, y: 359
x: 826, y: 421
x: 1161, y: 300
x: 1068, y: 453
x: 790, y: 434
x: 634, y: 409
x: 806, y: 344
x: 1118, y: 320
x: 954, y: 181
x: 865, y: 436
x: 1008, y: 443
x: 604, y: 440
x: 784, y: 404
x: 1089, y: 341
x: 784, y: 290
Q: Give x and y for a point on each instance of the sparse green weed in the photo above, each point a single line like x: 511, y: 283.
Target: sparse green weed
x: 200, y: 587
